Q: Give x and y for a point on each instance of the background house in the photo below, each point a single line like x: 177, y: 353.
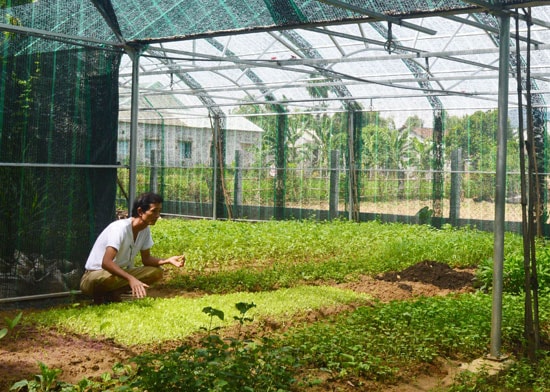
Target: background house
x: 183, y: 139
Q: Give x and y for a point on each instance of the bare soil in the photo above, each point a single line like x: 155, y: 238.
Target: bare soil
x: 80, y: 356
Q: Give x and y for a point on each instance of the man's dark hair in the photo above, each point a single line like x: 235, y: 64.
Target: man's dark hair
x: 144, y: 201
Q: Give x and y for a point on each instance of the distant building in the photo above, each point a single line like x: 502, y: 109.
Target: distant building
x: 175, y: 140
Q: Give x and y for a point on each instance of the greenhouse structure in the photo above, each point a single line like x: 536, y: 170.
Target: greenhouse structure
x: 415, y: 111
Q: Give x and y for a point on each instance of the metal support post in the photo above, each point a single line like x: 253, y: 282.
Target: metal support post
x: 134, y: 110
x: 500, y: 186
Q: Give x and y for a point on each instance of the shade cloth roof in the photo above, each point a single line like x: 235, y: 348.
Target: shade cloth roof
x: 399, y: 56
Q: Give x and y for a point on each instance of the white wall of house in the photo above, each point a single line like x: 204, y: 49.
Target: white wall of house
x: 187, y: 142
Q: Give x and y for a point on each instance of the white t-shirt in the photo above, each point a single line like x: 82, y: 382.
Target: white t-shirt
x: 119, y: 236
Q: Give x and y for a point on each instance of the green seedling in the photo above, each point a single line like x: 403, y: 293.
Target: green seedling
x: 213, y: 312
x: 243, y: 307
x: 11, y: 323
x: 45, y: 381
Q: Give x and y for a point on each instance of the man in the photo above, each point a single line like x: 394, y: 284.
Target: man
x: 110, y: 267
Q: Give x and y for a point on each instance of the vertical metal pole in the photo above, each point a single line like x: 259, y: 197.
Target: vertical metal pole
x: 134, y: 55
x: 500, y: 186
x: 437, y: 165
x: 215, y: 167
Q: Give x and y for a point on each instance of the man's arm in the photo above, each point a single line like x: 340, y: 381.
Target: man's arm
x: 150, y: 260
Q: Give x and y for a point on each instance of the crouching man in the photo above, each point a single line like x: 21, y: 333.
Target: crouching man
x: 110, y: 267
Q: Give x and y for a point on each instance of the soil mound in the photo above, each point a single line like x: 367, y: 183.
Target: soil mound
x: 431, y: 272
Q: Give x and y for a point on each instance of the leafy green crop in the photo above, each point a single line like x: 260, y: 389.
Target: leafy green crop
x: 383, y: 342
x: 156, y: 320
x: 218, y: 365
x: 513, y: 270
x: 237, y: 256
x: 277, y: 270
x: 379, y: 247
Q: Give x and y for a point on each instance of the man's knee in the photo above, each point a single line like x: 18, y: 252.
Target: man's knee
x: 85, y: 287
x: 151, y: 274
x: 157, y: 274
x: 90, y: 280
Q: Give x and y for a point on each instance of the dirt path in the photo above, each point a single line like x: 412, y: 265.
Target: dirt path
x: 80, y: 356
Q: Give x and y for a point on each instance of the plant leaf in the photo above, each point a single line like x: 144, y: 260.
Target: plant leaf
x: 213, y: 312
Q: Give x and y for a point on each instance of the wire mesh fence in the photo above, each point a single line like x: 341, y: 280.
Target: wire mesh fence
x: 395, y: 169
x: 309, y: 191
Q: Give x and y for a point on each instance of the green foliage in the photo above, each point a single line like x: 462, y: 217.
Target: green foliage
x: 373, y: 245
x: 387, y: 148
x: 425, y: 215
x: 213, y: 313
x: 270, y: 255
x: 153, y: 320
x: 243, y: 308
x: 386, y: 341
x: 277, y: 276
x: 43, y: 382
x: 218, y: 364
x: 48, y: 380
x: 475, y: 135
x: 382, y: 343
x: 522, y: 375
x: 11, y: 324
x: 471, y: 382
x: 513, y: 274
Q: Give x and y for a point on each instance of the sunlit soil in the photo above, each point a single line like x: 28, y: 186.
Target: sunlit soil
x: 469, y: 209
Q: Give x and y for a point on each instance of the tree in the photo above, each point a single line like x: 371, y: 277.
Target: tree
x: 387, y: 147
x: 476, y: 135
x: 391, y: 149
x: 413, y: 122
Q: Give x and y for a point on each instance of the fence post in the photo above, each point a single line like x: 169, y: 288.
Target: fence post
x: 153, y: 176
x: 334, y: 184
x: 437, y: 165
x: 238, y: 185
x: 353, y: 180
x: 280, y: 164
x: 457, y: 166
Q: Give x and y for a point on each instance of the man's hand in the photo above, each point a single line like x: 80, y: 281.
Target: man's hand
x: 138, y: 288
x: 176, y: 261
